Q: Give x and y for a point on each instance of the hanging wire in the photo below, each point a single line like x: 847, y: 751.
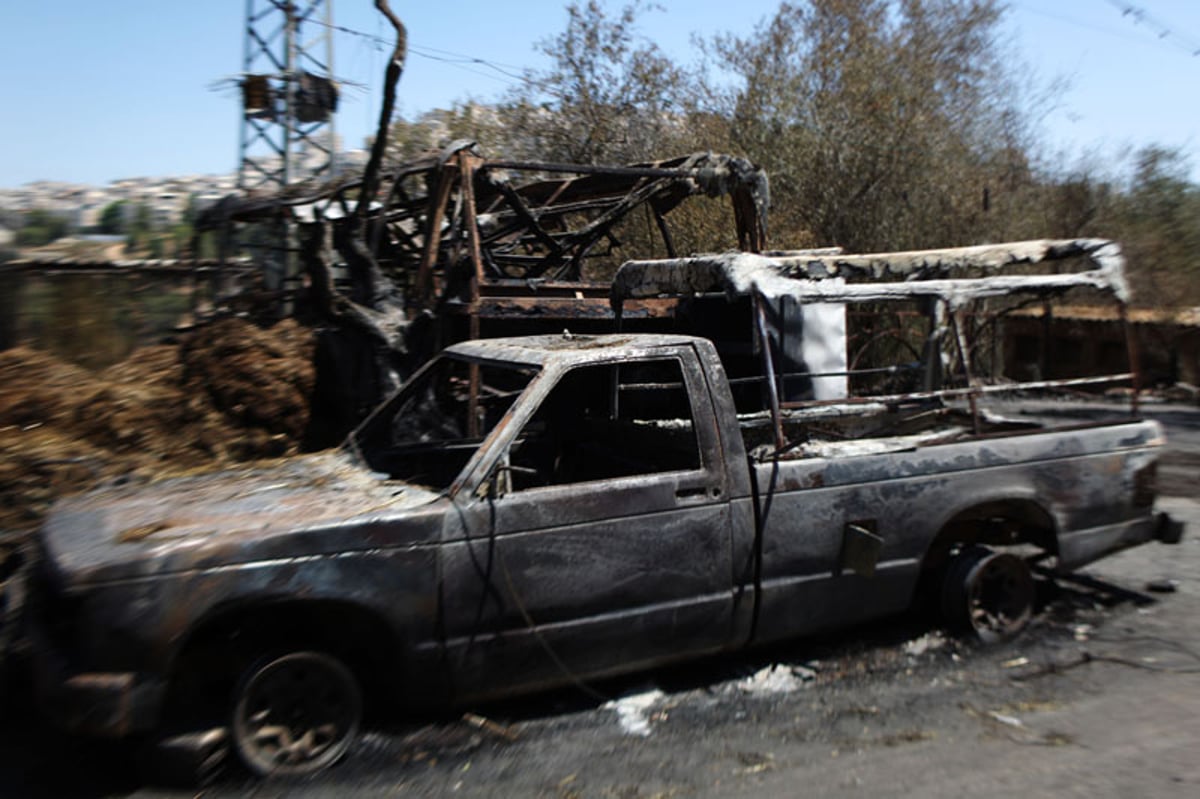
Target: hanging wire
x: 1160, y: 29
x: 505, y: 72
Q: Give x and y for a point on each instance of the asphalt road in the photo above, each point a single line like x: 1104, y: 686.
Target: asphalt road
x: 1101, y: 697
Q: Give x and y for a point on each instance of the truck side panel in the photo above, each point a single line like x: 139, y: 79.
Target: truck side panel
x: 1085, y: 480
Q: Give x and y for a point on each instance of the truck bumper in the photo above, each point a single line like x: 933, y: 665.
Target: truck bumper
x: 1082, y: 547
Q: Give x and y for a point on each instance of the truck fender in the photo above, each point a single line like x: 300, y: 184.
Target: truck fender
x: 1004, y: 518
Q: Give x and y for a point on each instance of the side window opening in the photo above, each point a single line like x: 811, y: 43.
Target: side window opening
x: 608, y: 421
x: 426, y: 434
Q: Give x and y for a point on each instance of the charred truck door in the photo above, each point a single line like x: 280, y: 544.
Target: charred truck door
x: 598, y: 535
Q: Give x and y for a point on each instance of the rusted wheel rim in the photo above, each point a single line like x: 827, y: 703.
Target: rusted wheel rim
x: 1000, y: 595
x: 296, y: 714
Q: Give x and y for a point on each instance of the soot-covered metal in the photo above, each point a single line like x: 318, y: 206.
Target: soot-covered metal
x: 538, y: 511
x: 543, y: 510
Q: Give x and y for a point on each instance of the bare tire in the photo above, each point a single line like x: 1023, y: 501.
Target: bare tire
x: 987, y: 595
x: 296, y: 714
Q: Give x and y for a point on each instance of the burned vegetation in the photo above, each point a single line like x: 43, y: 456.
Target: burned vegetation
x: 228, y: 392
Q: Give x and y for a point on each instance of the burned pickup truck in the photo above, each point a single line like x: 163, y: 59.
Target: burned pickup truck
x: 529, y: 512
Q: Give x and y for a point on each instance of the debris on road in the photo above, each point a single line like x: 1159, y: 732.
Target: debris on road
x: 501, y: 731
x: 1010, y: 721
x: 930, y: 642
x: 777, y: 679
x: 632, y: 711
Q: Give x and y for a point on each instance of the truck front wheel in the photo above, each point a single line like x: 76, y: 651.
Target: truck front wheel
x: 987, y: 595
x: 295, y: 714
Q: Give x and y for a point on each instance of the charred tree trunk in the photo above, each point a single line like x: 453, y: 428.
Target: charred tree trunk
x: 362, y: 359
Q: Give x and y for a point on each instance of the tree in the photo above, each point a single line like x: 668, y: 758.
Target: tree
x: 370, y: 316
x: 112, y: 218
x: 433, y: 130
x: 41, y: 227
x: 883, y: 123
x: 609, y: 97
x: 191, y: 210
x: 139, y: 228
x: 1157, y: 218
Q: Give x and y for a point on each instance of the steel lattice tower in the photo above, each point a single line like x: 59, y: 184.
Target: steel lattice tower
x: 287, y: 131
x: 288, y: 94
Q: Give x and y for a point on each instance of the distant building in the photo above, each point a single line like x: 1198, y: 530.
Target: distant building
x: 166, y: 198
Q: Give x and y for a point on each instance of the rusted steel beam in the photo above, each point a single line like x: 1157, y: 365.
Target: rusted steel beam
x: 664, y: 231
x: 526, y: 216
x: 760, y: 320
x: 128, y: 268
x: 467, y: 166
x: 964, y: 362
x: 520, y: 287
x: 397, y: 197
x: 879, y: 370
x: 600, y: 227
x: 1135, y: 360
x: 566, y: 308
x: 553, y: 209
x: 433, y: 233
x: 589, y: 169
x: 949, y: 393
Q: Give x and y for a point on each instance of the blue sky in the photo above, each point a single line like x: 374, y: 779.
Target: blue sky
x: 94, y: 91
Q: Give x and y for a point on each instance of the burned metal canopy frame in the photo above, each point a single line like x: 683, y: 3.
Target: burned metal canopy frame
x: 445, y: 227
x: 924, y: 273
x: 407, y: 259
x: 946, y: 286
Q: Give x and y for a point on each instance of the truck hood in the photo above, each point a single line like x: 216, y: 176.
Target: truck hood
x: 305, y: 506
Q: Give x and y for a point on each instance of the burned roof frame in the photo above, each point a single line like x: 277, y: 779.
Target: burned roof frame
x: 947, y: 280
x: 955, y: 275
x: 442, y: 225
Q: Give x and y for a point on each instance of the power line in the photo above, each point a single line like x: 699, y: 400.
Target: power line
x: 460, y: 55
x: 462, y: 61
x: 1079, y: 23
x: 1159, y: 28
x: 459, y: 60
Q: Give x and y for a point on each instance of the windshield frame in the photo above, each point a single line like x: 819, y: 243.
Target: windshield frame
x: 356, y: 444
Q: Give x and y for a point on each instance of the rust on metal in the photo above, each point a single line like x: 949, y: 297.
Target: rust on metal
x: 973, y: 391
x: 921, y: 274
x: 519, y: 220
x: 607, y: 483
x: 965, y: 293
x: 1134, y: 357
x: 764, y: 341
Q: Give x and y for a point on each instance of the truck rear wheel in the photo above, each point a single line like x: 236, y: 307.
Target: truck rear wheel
x: 296, y: 714
x: 987, y: 595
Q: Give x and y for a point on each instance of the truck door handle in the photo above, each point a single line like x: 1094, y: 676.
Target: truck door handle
x: 695, y: 492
